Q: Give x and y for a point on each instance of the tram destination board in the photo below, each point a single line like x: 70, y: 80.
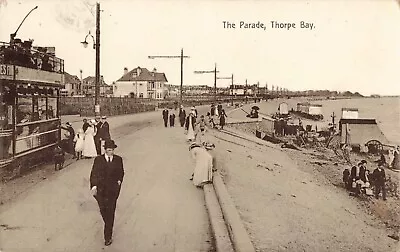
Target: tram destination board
x: 6, y: 72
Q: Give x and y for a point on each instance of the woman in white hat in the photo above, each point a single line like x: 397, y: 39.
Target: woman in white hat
x: 89, y: 147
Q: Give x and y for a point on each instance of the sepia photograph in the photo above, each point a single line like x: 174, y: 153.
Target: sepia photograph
x: 199, y: 126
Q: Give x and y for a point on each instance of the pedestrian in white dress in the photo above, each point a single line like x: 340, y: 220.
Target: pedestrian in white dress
x: 190, y: 127
x: 203, y: 170
x: 89, y: 147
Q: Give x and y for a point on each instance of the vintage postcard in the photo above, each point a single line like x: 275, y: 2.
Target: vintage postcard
x: 199, y: 125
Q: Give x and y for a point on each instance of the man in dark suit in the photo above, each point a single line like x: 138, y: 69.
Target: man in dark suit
x: 105, y: 183
x: 98, y: 136
x: 165, y: 117
x: 85, y: 125
x: 105, y: 128
x: 379, y: 181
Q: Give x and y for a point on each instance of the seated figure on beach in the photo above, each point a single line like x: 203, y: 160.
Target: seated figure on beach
x: 253, y: 114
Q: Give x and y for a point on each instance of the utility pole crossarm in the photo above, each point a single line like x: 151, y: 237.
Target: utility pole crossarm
x: 215, y: 79
x: 201, y: 72
x: 181, y: 57
x: 168, y: 57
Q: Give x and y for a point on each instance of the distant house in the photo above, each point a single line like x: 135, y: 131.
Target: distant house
x: 89, y: 87
x: 172, y: 90
x: 141, y: 83
x: 73, y: 85
x: 238, y: 89
x: 197, y: 90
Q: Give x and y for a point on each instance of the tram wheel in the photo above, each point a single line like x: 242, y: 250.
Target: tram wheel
x: 374, y: 147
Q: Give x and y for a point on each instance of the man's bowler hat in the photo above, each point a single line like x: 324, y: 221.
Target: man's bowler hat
x: 109, y: 144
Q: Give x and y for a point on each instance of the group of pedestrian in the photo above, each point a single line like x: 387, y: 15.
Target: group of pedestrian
x: 359, y: 180
x: 199, y: 146
x: 88, y: 140
x: 217, y: 112
x: 95, y: 132
x: 107, y: 172
x: 93, y: 140
x: 168, y: 115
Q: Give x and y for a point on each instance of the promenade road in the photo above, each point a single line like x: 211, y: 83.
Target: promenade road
x: 159, y: 209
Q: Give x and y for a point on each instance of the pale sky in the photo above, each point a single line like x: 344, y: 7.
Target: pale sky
x: 354, y: 46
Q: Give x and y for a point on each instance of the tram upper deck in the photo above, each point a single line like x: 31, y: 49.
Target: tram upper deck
x: 30, y: 83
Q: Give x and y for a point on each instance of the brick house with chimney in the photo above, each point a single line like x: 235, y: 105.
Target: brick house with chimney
x: 141, y: 83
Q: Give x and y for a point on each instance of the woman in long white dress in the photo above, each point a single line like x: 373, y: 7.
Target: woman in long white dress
x: 203, y: 170
x: 189, y: 127
x: 89, y: 147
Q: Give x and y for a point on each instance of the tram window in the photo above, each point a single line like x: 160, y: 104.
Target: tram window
x: 51, y: 108
x: 42, y: 108
x: 24, y: 110
x: 5, y: 111
x: 5, y: 116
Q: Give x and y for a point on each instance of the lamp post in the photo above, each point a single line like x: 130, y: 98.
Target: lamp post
x: 215, y: 79
x: 174, y: 57
x: 12, y: 35
x: 96, y: 46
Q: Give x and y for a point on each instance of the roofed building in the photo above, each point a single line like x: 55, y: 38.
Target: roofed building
x: 89, y: 86
x: 141, y: 83
x: 73, y: 85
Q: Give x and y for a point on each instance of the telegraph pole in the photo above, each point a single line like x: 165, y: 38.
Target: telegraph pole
x: 245, y: 92
x: 232, y: 92
x: 228, y: 78
x: 97, y: 77
x: 215, y: 83
x: 174, y: 57
x: 215, y: 79
x: 180, y: 95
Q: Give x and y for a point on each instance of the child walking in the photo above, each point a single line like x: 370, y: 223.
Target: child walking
x: 79, y: 142
x: 202, y: 129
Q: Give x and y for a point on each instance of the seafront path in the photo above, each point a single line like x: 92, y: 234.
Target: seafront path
x: 159, y: 209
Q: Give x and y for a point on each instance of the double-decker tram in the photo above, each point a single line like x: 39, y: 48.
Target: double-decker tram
x: 30, y: 83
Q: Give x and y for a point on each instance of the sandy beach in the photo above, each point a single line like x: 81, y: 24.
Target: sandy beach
x: 292, y: 200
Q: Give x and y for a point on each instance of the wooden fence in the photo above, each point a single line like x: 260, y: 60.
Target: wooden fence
x: 124, y: 105
x: 108, y: 105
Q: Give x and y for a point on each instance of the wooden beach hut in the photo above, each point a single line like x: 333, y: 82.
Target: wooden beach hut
x: 283, y: 109
x: 362, y: 133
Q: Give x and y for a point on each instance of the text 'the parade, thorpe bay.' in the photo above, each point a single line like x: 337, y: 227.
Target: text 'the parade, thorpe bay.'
x: 270, y: 25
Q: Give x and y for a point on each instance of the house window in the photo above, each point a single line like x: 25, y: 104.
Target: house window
x: 141, y: 94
